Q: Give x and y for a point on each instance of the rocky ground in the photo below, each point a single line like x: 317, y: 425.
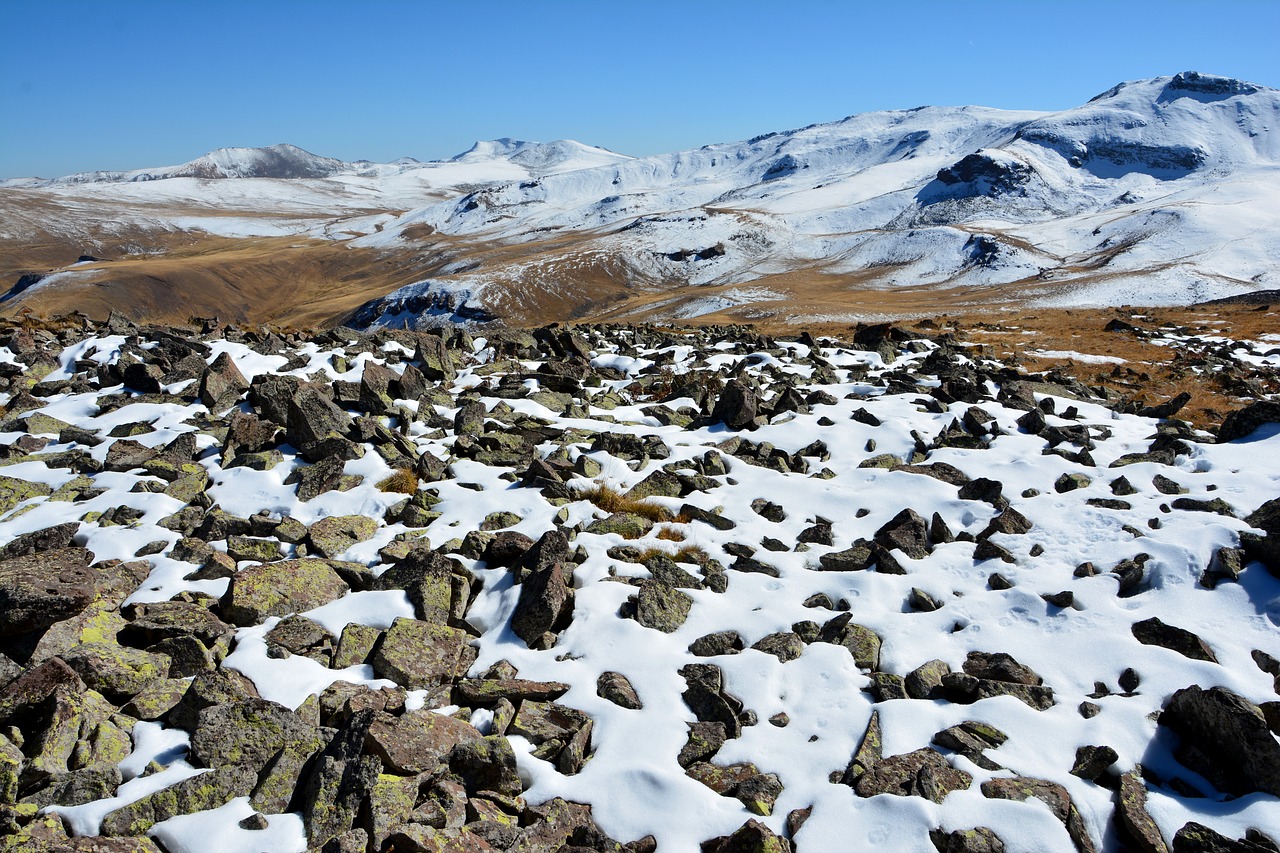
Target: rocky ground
x: 638, y: 588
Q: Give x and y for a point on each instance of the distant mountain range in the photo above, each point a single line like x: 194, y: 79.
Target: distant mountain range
x: 1157, y: 191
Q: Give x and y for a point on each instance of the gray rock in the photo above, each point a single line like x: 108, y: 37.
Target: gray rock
x: 1225, y: 738
x: 617, y: 688
x: 545, y: 604
x: 221, y: 384
x: 906, y: 531
x: 1153, y: 632
x: 922, y: 773
x: 39, y: 590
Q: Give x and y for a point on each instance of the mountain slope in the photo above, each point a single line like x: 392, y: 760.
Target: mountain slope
x: 1160, y: 191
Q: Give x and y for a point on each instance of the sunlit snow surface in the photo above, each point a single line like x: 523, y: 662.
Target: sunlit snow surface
x: 633, y: 781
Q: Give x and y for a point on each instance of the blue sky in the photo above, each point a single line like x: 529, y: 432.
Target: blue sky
x: 116, y: 85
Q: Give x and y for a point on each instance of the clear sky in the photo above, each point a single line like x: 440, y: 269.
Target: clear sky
x: 121, y: 84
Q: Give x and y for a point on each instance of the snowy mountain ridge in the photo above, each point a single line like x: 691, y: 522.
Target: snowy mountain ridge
x: 1158, y: 191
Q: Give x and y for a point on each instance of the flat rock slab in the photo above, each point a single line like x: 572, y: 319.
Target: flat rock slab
x: 39, y: 590
x: 276, y: 589
x: 416, y: 742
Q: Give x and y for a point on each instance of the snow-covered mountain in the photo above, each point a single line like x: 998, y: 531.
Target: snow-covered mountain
x: 1157, y: 191
x: 1161, y: 190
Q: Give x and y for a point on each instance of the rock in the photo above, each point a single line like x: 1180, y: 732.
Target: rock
x: 768, y: 510
x: 248, y: 733
x: 330, y: 537
x: 1132, y: 820
x: 661, y: 607
x: 276, y: 589
x: 1093, y: 761
x: 737, y: 406
x: 117, y: 672
x: 906, y: 531
x: 428, y: 578
x: 313, y: 417
x: 870, y: 751
x: 42, y: 589
x: 615, y: 687
x: 486, y: 764
x: 1266, y: 548
x: 221, y: 384
x: 999, y: 667
x: 862, y: 642
x: 40, y: 541
x: 1225, y: 738
x: 784, y: 645
x: 717, y: 643
x: 922, y: 773
x: 199, y: 793
x: 860, y: 556
x: 338, y: 781
x: 418, y: 655
x: 971, y: 739
x: 751, y: 837
x: 1243, y: 422
x: 1153, y: 632
x: 207, y: 690
x: 1052, y: 794
x: 545, y: 604
x: 417, y: 741
x: 980, y: 839
x: 706, y: 697
x: 925, y: 681
x: 1197, y: 838
x: 484, y: 692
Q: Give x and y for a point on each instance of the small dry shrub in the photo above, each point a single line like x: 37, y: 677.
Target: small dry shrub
x: 403, y: 480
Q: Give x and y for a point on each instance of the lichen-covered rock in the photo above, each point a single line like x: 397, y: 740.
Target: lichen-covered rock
x: 416, y: 654
x: 199, y: 793
x: 1132, y: 819
x: 487, y: 764
x: 751, y: 837
x: 417, y: 741
x: 246, y: 733
x: 661, y: 607
x: 545, y: 603
x: 222, y: 384
x: 922, y: 773
x: 41, y: 589
x: 115, y: 671
x: 275, y: 589
x: 617, y: 688
x: 329, y: 537
x: 861, y: 641
x: 14, y: 491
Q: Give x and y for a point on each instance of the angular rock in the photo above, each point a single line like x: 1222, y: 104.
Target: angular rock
x: 276, y: 589
x: 39, y: 590
x: 419, y: 655
x: 1225, y: 738
x: 417, y: 741
x: 1153, y: 632
x: 221, y: 384
x: 922, y: 773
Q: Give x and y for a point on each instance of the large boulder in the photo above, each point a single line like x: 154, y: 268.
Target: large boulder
x: 418, y: 741
x: 276, y: 589
x: 222, y: 384
x: 1225, y: 739
x: 40, y: 589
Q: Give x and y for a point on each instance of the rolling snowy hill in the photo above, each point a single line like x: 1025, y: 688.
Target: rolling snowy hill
x: 1160, y: 191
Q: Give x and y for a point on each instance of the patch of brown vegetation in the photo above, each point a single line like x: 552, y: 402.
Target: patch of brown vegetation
x: 611, y: 500
x: 403, y: 481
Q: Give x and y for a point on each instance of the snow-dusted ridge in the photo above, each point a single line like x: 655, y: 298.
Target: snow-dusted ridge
x: 1158, y: 191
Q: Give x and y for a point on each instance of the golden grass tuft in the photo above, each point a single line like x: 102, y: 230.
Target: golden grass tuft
x: 671, y: 534
x: 403, y: 480
x: 685, y: 554
x: 611, y: 500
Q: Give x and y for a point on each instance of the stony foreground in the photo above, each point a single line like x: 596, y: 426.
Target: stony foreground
x: 626, y: 589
